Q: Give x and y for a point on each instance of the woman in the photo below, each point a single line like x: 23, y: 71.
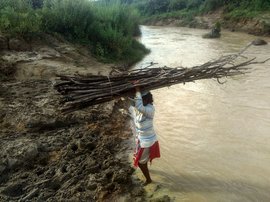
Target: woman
x: 147, y: 147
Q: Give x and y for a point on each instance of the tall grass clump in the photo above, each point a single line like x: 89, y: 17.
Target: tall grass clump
x: 113, y: 31
x: 71, y: 18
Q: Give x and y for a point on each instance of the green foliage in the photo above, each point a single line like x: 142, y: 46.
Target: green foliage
x: 37, y: 3
x: 218, y: 26
x: 177, y: 5
x: 152, y: 7
x: 18, y: 18
x: 256, y: 5
x: 17, y: 5
x: 109, y: 27
x: 19, y: 23
x: 120, y: 17
x: 68, y: 17
x: 245, y: 9
x: 251, y: 5
x: 194, y: 4
x: 238, y: 14
x: 211, y: 5
x: 134, y: 52
x: 106, y: 26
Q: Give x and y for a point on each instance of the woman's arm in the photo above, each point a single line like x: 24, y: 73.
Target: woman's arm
x: 147, y: 111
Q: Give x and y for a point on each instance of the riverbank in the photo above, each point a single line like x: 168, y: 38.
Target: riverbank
x: 48, y: 156
x: 106, y: 28
x: 259, y: 25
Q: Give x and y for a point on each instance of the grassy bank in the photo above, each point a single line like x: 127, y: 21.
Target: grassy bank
x: 186, y: 11
x: 107, y: 28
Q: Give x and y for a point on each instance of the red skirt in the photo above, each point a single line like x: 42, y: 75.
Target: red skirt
x: 154, y: 152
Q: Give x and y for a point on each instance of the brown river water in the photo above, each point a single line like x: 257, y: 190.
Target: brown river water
x: 215, y: 139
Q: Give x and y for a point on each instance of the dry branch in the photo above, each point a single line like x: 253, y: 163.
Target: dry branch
x: 83, y: 91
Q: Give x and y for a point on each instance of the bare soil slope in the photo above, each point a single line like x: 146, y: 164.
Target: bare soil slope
x: 47, y: 156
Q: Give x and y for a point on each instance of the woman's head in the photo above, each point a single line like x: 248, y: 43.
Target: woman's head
x: 147, y: 99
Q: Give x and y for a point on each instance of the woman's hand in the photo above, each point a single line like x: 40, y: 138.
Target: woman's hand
x: 137, y: 88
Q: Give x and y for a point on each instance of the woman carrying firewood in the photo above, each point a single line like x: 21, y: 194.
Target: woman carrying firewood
x: 147, y: 147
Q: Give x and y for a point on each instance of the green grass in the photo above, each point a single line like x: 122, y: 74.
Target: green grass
x: 187, y: 9
x: 185, y: 15
x: 107, y: 28
x: 238, y: 14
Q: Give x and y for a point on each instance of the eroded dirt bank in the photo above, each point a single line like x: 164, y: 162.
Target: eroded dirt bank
x: 259, y: 26
x: 47, y: 156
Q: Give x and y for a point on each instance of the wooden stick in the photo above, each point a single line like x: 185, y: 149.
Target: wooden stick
x: 81, y: 91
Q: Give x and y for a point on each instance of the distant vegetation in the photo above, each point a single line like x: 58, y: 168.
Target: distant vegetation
x: 152, y: 7
x: 187, y: 9
x: 108, y: 27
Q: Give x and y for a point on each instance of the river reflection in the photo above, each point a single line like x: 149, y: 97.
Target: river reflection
x: 214, y: 138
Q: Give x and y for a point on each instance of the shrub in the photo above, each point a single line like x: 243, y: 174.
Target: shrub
x: 19, y: 23
x: 71, y: 18
x: 106, y: 27
x: 156, y: 6
x: 177, y: 5
x: 37, y: 3
x: 17, y: 5
x: 211, y: 5
x: 238, y: 14
x: 194, y: 4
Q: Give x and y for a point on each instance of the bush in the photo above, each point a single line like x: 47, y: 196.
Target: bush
x: 120, y: 17
x: 177, y: 5
x: 71, y: 18
x: 156, y: 7
x: 252, y: 5
x: 106, y: 27
x: 17, y: 5
x: 19, y: 23
x: 18, y: 18
x: 238, y: 14
x: 37, y: 3
x: 194, y: 4
x: 211, y: 5
x: 135, y: 52
x: 111, y: 32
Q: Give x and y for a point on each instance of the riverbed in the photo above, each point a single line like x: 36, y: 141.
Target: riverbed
x: 214, y: 138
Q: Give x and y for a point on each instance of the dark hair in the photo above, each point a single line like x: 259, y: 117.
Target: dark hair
x: 147, y: 99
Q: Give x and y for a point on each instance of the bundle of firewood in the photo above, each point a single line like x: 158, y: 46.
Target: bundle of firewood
x: 79, y: 91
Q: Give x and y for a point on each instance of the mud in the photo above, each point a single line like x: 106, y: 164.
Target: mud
x: 49, y: 156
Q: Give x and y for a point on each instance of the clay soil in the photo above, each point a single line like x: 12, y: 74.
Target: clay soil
x: 49, y: 156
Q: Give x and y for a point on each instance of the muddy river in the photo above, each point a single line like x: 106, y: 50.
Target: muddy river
x: 215, y: 139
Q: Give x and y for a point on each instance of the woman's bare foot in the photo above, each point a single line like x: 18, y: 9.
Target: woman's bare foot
x: 147, y: 182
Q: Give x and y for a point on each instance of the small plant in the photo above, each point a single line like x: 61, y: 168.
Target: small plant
x: 99, y: 50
